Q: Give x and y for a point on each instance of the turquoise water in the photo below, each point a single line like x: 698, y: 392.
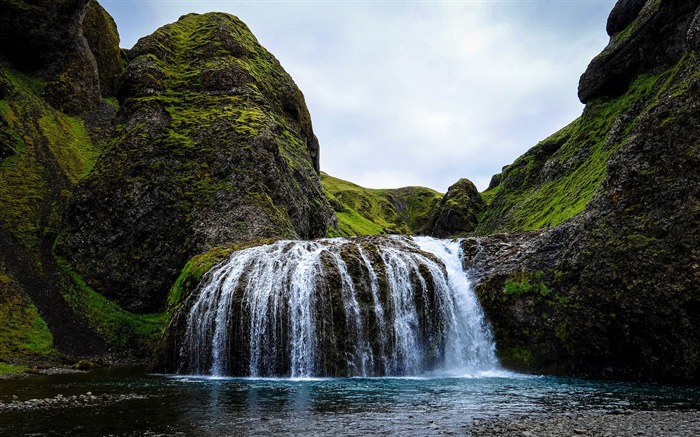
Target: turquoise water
x: 133, y: 403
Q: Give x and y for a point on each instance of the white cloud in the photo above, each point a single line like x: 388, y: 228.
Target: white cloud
x: 419, y: 93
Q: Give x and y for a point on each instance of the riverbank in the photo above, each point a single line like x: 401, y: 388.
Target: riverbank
x: 617, y: 423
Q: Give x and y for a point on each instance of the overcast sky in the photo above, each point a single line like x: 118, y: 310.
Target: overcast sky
x: 416, y: 92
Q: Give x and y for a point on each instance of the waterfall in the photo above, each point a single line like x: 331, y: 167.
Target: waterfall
x: 364, y: 306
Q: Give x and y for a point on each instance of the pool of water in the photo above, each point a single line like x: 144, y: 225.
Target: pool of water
x: 134, y: 403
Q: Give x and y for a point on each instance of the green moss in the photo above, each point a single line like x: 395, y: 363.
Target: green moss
x: 70, y: 144
x: 120, y: 328
x: 524, y: 283
x: 10, y: 368
x: 45, y: 139
x: 23, y: 333
x: 556, y: 179
x: 112, y: 101
x: 192, y: 273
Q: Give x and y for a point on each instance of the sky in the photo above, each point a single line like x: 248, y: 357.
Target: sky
x: 423, y: 93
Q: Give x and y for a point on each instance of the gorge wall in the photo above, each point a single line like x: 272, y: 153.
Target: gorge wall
x: 612, y: 289
x: 116, y: 166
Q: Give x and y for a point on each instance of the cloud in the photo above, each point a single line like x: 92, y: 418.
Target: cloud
x: 421, y: 93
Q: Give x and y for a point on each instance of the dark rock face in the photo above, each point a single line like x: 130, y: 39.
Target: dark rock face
x: 623, y: 14
x: 100, y: 31
x: 613, y: 292
x: 456, y: 215
x: 646, y: 37
x: 45, y: 38
x: 214, y: 146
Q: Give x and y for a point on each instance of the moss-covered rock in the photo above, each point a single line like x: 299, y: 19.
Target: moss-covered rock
x: 214, y: 146
x: 457, y: 213
x: 612, y: 290
x: 100, y: 31
x: 24, y: 335
x: 44, y: 38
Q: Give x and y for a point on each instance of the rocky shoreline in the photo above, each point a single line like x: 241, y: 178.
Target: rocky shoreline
x: 617, y: 423
x: 60, y: 401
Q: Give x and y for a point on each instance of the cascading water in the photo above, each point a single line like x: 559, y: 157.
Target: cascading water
x: 337, y: 307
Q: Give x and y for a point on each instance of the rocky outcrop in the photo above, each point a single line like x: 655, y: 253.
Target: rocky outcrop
x: 46, y: 38
x: 647, y: 37
x: 612, y: 292
x: 214, y: 146
x: 100, y: 31
x: 457, y: 213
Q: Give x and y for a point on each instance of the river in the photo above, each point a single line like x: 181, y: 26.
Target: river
x: 131, y: 402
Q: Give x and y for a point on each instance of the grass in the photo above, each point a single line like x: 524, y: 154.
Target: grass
x: 23, y: 333
x: 525, y: 199
x: 192, y: 273
x: 120, y: 328
x: 43, y: 138
x: 366, y: 211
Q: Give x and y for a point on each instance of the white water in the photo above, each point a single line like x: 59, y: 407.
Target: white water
x: 339, y: 307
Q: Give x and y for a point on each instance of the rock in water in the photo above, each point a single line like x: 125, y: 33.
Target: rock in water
x: 214, y: 145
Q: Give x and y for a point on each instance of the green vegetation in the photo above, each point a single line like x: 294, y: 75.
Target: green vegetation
x: 556, y: 179
x: 366, y: 211
x: 10, y: 368
x: 120, y: 328
x: 23, y: 333
x: 525, y: 283
x: 192, y: 273
x: 41, y: 139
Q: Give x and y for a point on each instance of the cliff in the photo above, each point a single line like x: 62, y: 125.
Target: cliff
x: 213, y: 146
x: 117, y: 166
x: 609, y: 288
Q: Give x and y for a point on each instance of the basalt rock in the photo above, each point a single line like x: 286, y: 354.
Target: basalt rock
x: 612, y: 292
x: 646, y: 38
x: 100, y: 31
x: 45, y: 38
x: 214, y: 146
x: 456, y: 215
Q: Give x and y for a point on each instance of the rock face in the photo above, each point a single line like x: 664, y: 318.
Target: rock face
x: 214, y: 146
x: 45, y: 38
x: 613, y: 292
x: 647, y: 37
x: 456, y: 215
x: 100, y: 31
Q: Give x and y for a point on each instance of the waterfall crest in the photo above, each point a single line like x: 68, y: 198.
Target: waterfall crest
x: 365, y: 306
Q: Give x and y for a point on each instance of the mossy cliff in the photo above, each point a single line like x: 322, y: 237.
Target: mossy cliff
x: 45, y: 38
x: 212, y: 143
x: 44, y: 153
x: 213, y: 146
x: 610, y: 289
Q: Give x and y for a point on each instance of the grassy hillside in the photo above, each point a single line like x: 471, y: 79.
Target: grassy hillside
x: 366, y: 211
x: 556, y: 179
